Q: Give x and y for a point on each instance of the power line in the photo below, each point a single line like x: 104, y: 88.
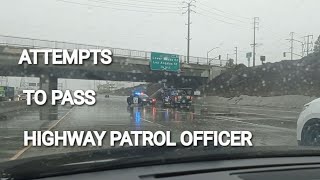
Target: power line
x: 156, y: 2
x: 158, y: 7
x: 120, y: 9
x: 226, y: 22
x: 222, y: 15
x: 215, y: 9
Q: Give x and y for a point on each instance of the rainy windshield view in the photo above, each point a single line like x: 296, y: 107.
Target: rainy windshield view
x: 143, y: 89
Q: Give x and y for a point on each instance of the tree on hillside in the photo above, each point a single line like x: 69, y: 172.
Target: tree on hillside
x: 230, y: 63
x: 316, y: 48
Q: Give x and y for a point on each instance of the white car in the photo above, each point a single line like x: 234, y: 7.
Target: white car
x: 22, y: 97
x: 308, y: 125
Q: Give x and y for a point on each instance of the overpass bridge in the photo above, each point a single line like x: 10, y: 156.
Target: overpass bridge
x: 128, y: 65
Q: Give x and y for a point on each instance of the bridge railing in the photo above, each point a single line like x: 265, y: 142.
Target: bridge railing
x: 39, y: 43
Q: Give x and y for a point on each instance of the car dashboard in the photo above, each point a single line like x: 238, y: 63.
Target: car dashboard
x: 246, y: 169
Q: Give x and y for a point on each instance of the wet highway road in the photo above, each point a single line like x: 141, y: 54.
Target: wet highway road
x: 269, y: 126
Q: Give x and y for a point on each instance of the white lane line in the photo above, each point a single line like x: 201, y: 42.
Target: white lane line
x: 9, y: 137
x: 19, y: 153
x: 259, y: 114
x: 262, y: 108
x: 293, y: 120
x: 152, y: 122
x: 261, y: 125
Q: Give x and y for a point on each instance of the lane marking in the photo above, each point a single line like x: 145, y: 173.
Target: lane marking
x: 261, y: 125
x: 281, y: 117
x: 271, y: 119
x: 240, y: 107
x: 19, y: 153
x: 152, y: 122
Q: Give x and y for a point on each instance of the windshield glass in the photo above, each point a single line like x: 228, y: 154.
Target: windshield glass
x: 247, y: 68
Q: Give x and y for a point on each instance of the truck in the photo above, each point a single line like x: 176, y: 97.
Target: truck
x: 6, y: 93
x: 183, y: 98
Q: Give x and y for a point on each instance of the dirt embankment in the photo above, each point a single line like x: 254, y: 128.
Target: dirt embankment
x: 297, y: 77
x: 147, y: 88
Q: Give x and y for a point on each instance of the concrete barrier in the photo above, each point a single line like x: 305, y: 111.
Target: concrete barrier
x: 8, y: 106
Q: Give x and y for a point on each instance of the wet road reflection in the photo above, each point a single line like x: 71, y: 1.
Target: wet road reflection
x: 113, y: 114
x: 158, y: 114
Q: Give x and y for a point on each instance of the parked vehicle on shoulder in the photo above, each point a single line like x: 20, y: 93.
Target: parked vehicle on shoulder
x: 183, y: 98
x: 140, y: 99
x: 308, y: 124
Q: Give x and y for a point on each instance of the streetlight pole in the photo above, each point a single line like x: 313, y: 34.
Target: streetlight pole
x: 209, y: 52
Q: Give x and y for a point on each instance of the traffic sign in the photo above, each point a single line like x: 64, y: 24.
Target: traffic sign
x: 2, y: 91
x: 164, y: 62
x: 249, y: 55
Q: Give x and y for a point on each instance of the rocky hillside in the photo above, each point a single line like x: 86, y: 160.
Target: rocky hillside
x: 298, y: 77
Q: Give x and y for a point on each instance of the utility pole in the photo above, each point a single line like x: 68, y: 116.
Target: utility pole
x: 302, y: 51
x: 291, y: 47
x: 308, y: 43
x: 188, y: 38
x: 189, y: 4
x: 292, y: 40
x: 236, y: 53
x: 255, y: 27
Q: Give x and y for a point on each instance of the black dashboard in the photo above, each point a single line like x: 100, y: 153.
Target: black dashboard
x: 246, y: 169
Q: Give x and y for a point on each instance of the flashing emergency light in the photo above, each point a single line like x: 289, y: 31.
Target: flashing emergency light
x: 138, y: 93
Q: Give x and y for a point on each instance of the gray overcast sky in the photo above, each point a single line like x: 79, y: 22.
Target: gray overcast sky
x: 165, y: 32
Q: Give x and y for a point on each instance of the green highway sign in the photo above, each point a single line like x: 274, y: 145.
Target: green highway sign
x: 164, y: 62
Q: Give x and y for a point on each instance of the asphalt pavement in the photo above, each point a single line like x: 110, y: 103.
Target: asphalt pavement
x: 269, y: 126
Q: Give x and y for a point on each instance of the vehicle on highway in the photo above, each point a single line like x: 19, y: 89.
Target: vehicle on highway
x: 308, y: 124
x: 22, y: 97
x: 140, y: 99
x: 7, y: 93
x: 182, y: 98
x: 167, y: 97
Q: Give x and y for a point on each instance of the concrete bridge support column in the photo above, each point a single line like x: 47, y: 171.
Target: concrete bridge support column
x: 48, y: 83
x: 48, y: 111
